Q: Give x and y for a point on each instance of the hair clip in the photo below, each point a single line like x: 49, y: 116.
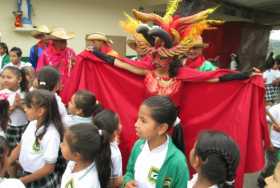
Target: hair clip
x: 42, y: 83
x: 100, y: 132
x: 177, y: 121
x: 230, y: 182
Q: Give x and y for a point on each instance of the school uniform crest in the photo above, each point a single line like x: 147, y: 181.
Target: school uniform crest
x: 153, y: 175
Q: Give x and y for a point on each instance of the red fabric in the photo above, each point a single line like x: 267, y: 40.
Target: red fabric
x: 195, y: 63
x: 236, y: 107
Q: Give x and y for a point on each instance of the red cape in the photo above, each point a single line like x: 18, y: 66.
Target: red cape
x: 236, y: 107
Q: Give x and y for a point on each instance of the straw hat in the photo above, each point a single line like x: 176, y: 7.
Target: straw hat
x: 41, y: 29
x: 198, y: 42
x: 274, y: 180
x: 61, y: 33
x: 98, y: 36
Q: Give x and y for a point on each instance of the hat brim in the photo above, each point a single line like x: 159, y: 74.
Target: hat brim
x: 61, y: 37
x: 102, y: 39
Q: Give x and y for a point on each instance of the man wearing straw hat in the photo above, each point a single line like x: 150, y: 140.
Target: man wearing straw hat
x: 40, y: 34
x: 100, y: 42
x: 58, y: 55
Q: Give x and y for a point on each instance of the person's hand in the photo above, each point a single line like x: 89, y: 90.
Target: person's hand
x: 271, y: 148
x: 276, y: 127
x: 256, y: 72
x: 131, y: 184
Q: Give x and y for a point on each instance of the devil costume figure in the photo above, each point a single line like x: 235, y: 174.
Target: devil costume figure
x: 234, y: 107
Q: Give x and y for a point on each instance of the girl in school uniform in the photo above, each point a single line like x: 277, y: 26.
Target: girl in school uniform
x: 215, y: 158
x: 38, y: 150
x: 155, y: 162
x: 88, y: 151
x: 15, y: 85
x: 82, y: 106
x: 15, y: 57
x: 6, y: 182
x: 49, y: 78
x: 109, y: 121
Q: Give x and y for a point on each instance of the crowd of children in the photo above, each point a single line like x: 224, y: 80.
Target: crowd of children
x: 45, y: 143
x: 39, y: 136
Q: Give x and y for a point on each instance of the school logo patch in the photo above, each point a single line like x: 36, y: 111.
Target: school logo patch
x: 69, y: 184
x: 167, y: 182
x: 153, y: 175
x: 36, y: 147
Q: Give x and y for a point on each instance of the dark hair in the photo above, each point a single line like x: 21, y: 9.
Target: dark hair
x: 17, y: 51
x: 269, y: 62
x: 163, y: 110
x: 4, y: 114
x: 4, y: 147
x: 220, y: 156
x: 93, y: 145
x: 47, y: 100
x: 87, y: 102
x: 174, y: 67
x: 107, y: 120
x: 20, y: 74
x: 48, y: 78
x: 4, y: 46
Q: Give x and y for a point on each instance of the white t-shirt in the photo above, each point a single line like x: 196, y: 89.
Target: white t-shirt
x: 148, y: 164
x: 32, y: 158
x: 70, y: 120
x: 275, y: 136
x: 116, y: 158
x: 17, y: 117
x: 20, y: 66
x: 11, y: 183
x: 270, y: 75
x: 61, y: 107
x: 86, y: 178
x: 192, y: 182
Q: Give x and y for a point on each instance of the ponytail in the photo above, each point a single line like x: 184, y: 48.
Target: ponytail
x: 174, y: 67
x: 178, y: 136
x: 104, y: 167
x: 93, y: 145
x: 4, y: 112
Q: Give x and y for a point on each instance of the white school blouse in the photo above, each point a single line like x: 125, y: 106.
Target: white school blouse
x: 192, y: 182
x: 86, y: 178
x: 17, y: 117
x: 70, y: 120
x: 116, y: 158
x: 148, y: 164
x: 10, y: 183
x: 33, y: 158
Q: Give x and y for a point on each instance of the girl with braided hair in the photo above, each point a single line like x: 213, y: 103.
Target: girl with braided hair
x: 215, y: 157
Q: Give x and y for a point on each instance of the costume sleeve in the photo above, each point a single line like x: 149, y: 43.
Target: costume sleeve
x: 42, y: 61
x: 50, y: 144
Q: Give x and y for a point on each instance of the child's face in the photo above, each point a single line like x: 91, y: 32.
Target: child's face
x: 146, y: 127
x: 65, y: 148
x: 10, y: 80
x: 2, y: 51
x: 34, y: 113
x: 14, y: 58
x: 72, y: 107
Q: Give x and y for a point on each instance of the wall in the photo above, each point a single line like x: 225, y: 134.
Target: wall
x: 79, y: 16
